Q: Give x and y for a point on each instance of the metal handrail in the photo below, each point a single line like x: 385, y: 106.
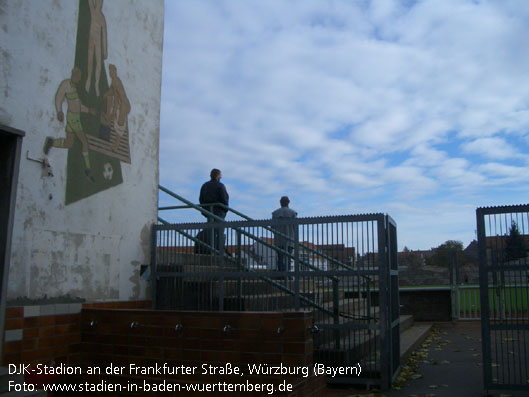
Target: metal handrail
x: 320, y: 292
x: 212, y: 215
x: 199, y: 207
x: 334, y: 313
x: 246, y: 217
x: 218, y: 218
x: 267, y: 279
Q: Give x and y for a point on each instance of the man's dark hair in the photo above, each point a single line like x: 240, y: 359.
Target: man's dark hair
x: 284, y: 201
x: 214, y: 173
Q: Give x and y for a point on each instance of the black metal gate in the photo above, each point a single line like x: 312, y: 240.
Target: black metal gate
x: 503, y: 238
x: 343, y: 268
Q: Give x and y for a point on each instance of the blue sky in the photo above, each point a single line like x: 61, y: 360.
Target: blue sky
x: 418, y: 109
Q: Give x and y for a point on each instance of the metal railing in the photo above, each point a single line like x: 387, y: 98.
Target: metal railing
x: 332, y: 265
x: 512, y: 304
x: 504, y: 296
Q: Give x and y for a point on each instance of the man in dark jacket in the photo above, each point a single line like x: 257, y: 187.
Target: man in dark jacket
x: 213, y: 192
x: 285, y: 238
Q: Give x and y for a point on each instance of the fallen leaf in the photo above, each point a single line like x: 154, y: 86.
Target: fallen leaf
x: 433, y: 387
x: 445, y: 362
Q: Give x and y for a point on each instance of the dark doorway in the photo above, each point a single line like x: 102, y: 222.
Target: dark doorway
x: 10, y: 147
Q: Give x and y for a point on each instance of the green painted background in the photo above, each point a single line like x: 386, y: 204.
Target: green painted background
x: 78, y: 186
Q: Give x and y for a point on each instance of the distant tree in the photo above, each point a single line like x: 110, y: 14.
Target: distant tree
x: 515, y: 245
x: 443, y: 254
x: 411, y: 258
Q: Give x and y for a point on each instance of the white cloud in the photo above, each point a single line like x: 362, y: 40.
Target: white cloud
x: 347, y: 106
x: 494, y: 148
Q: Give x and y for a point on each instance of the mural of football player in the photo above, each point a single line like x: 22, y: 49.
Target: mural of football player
x: 97, y: 43
x: 68, y: 91
x: 118, y: 107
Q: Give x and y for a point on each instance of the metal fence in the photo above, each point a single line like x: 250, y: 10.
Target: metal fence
x: 333, y: 266
x: 504, y: 298
x: 468, y: 306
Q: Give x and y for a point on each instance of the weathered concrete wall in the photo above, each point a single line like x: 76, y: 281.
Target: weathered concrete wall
x: 85, y: 230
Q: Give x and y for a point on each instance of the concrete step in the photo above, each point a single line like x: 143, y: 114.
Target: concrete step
x: 260, y: 286
x: 364, y: 348
x: 362, y: 343
x: 411, y: 338
x: 406, y: 321
x: 263, y: 302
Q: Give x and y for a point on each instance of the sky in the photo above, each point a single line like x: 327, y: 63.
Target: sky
x: 417, y: 109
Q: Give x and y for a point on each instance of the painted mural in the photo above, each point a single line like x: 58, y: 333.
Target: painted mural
x: 96, y: 122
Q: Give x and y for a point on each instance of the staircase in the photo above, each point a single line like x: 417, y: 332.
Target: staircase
x: 346, y: 329
x: 347, y: 339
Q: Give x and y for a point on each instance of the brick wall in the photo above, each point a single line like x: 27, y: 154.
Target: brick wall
x: 192, y: 339
x: 44, y: 333
x: 121, y: 333
x: 41, y: 334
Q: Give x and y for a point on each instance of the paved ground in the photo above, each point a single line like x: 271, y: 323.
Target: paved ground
x: 448, y: 363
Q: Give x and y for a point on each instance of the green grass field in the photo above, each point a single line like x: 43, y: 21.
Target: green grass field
x: 516, y: 299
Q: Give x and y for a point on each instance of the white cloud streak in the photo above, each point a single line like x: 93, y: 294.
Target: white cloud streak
x: 348, y: 106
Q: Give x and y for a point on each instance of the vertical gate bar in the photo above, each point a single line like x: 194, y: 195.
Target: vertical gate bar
x: 476, y: 314
x: 383, y: 273
x: 154, y: 269
x: 460, y: 293
x: 175, y: 243
x: 239, y: 269
x: 393, y: 295
x: 504, y: 334
x: 220, y: 282
x: 296, y: 266
x: 336, y: 317
x: 166, y: 252
x: 483, y: 281
x: 471, y: 304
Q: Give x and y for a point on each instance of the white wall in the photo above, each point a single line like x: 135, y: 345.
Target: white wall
x: 91, y: 248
